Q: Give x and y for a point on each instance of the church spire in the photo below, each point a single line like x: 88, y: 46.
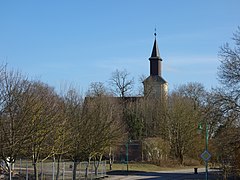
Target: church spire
x: 155, y: 51
x: 155, y: 86
x: 155, y: 59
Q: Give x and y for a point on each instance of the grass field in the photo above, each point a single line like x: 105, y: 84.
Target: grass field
x: 135, y: 166
x: 145, y: 167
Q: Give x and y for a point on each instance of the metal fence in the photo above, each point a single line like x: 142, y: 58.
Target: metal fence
x: 48, y: 170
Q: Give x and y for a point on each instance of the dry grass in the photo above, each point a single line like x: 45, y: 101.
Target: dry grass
x: 145, y: 167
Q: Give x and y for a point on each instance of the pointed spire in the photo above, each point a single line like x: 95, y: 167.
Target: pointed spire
x: 155, y: 50
x: 155, y: 59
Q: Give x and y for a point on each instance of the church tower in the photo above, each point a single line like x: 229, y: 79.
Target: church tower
x: 155, y: 86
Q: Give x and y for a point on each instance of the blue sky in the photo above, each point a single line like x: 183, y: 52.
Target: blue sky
x: 84, y: 41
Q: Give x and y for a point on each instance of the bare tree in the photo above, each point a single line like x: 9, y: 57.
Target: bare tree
x: 141, y: 87
x: 13, y: 111
x: 229, y: 70
x: 94, y: 125
x: 226, y: 100
x: 195, y: 92
x: 105, y: 128
x: 97, y: 89
x: 76, y: 127
x: 58, y: 140
x: 153, y: 112
x: 229, y: 74
x: 183, y: 121
x: 134, y: 119
x: 121, y: 84
x: 42, y: 120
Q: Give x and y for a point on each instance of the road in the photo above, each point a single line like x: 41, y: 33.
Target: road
x: 184, y: 174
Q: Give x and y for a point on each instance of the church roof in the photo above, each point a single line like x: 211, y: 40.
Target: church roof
x: 155, y: 51
x: 156, y: 78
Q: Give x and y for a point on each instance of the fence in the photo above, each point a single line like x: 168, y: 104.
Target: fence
x: 48, y: 170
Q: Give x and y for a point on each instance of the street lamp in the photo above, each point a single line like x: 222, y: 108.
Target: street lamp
x: 127, y: 144
x: 205, y: 155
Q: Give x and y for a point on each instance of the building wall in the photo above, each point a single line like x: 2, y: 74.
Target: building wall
x: 155, y: 89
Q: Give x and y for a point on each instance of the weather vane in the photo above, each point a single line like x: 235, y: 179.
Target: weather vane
x: 155, y: 31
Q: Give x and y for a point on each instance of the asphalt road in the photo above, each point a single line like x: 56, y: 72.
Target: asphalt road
x: 184, y: 174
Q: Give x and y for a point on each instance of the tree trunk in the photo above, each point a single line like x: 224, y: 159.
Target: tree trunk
x: 35, y: 170
x: 110, y: 159
x: 87, y: 166
x: 58, y: 166
x: 110, y: 163
x: 75, y: 164
x: 180, y: 159
x: 97, y: 163
x: 35, y: 156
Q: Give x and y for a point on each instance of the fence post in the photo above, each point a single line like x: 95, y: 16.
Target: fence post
x: 92, y: 171
x: 41, y: 170
x: 80, y: 166
x: 53, y: 168
x: 26, y: 170
x: 63, y: 171
x: 20, y: 166
x: 10, y: 171
x: 102, y: 169
x: 72, y: 170
x: 105, y: 168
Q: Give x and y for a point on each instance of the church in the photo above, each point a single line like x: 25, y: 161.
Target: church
x: 155, y: 86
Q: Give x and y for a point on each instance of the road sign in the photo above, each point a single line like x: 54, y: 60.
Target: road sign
x: 206, y: 155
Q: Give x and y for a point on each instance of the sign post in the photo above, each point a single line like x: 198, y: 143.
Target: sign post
x: 205, y: 155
